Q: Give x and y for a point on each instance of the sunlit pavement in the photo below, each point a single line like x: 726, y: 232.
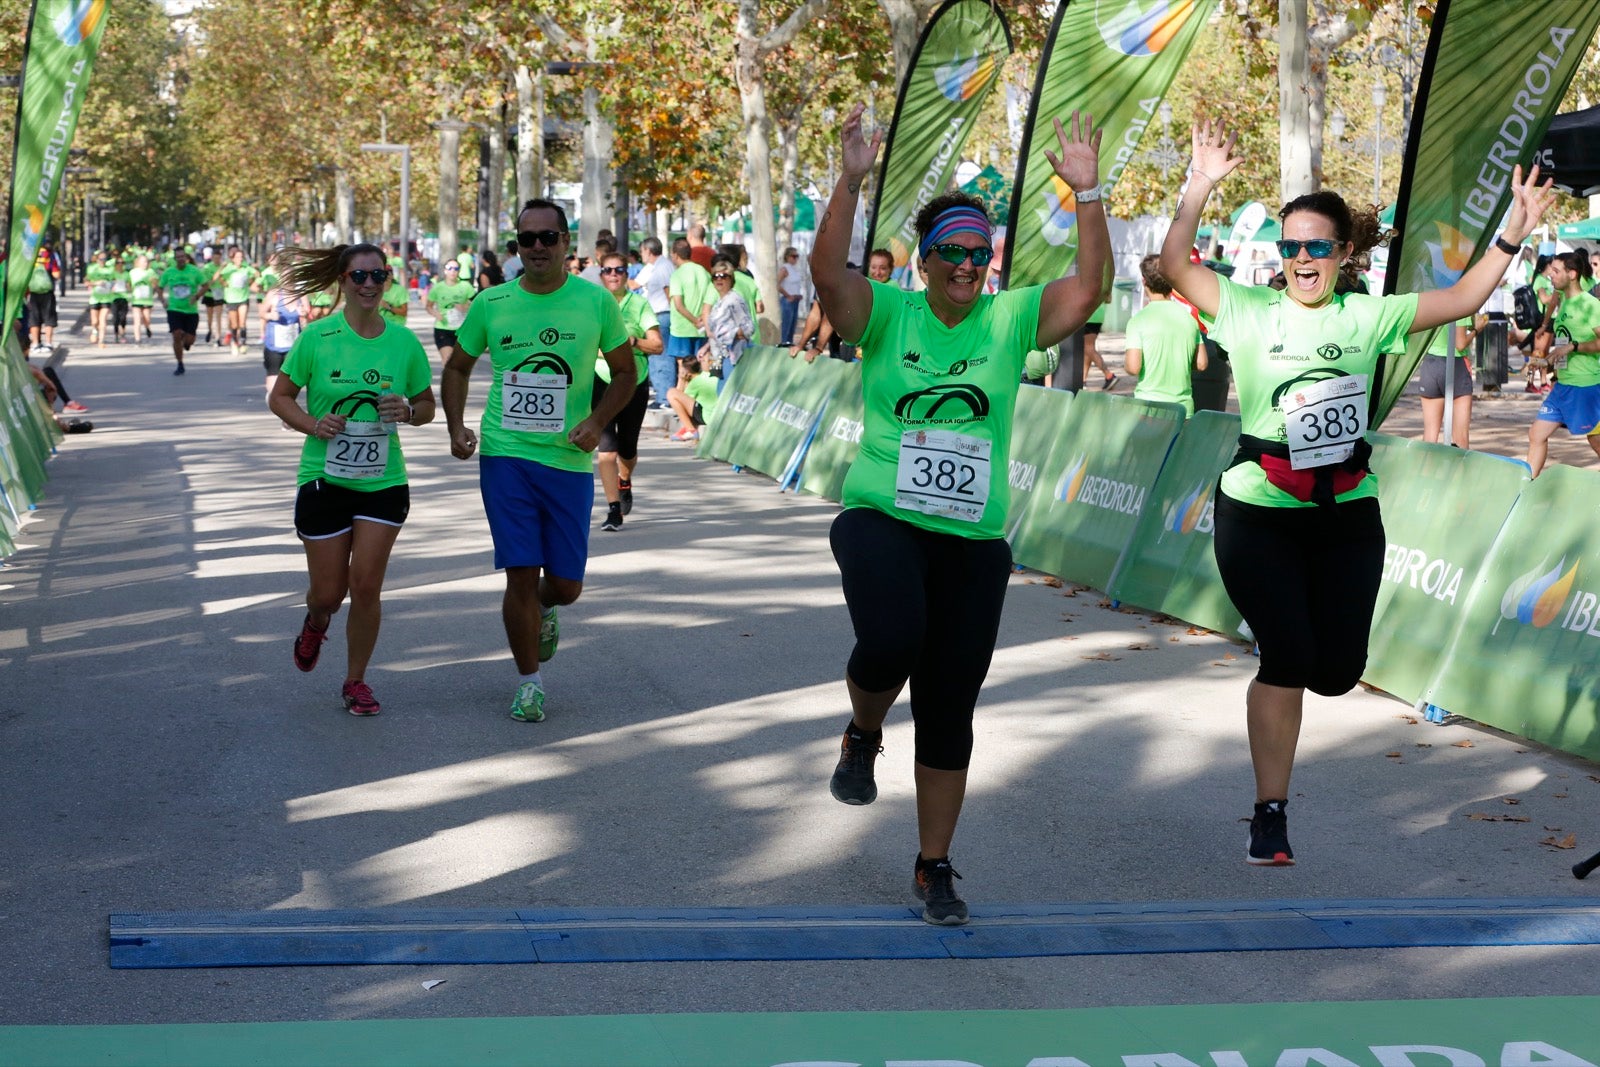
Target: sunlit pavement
x: 163, y: 755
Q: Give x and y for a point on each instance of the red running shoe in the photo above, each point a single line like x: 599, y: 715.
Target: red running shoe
x: 308, y: 646
x: 74, y: 407
x: 358, y: 699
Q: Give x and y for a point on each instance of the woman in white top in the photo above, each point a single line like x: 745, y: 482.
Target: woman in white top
x: 791, y: 290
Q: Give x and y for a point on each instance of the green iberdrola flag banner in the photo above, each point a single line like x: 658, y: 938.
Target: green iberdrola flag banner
x: 956, y: 64
x: 1112, y: 59
x: 63, y: 38
x: 1492, y: 81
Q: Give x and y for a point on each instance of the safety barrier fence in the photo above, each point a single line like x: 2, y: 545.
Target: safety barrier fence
x: 28, y: 435
x: 1490, y: 602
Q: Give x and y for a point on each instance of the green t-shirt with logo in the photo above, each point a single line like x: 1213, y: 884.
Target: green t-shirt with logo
x: 395, y: 301
x: 639, y: 320
x: 447, y: 295
x: 746, y: 287
x: 182, y: 288
x: 922, y: 382
x: 345, y: 373
x: 1578, y: 320
x: 702, y: 390
x: 121, y: 288
x: 541, y: 334
x: 99, y: 278
x: 690, y: 283
x: 39, y: 281
x: 236, y: 283
x: 1166, y: 336
x: 1275, y: 344
x: 142, y: 287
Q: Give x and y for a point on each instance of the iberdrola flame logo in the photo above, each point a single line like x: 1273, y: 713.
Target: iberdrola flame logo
x: 898, y: 249
x: 32, y: 230
x: 1451, y: 255
x: 1142, y: 29
x: 962, y: 79
x: 1071, y: 482
x: 1536, y: 598
x: 1059, y: 219
x: 77, y: 21
x: 1183, y: 514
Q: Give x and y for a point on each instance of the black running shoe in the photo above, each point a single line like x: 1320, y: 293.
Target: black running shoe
x: 852, y: 779
x: 179, y: 370
x: 934, y: 883
x: 1269, y: 836
x: 613, y: 521
x: 626, y: 488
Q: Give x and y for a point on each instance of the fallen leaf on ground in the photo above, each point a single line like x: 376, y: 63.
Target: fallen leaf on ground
x: 1461, y: 744
x: 1103, y: 656
x: 1510, y: 800
x: 1219, y: 663
x: 1593, y: 777
x: 1392, y: 755
x: 1559, y: 796
x: 1193, y: 632
x: 1029, y: 581
x: 1411, y: 720
x: 1553, y: 829
x: 1424, y: 744
x: 1178, y: 640
x: 1479, y: 816
x: 1570, y: 841
x: 1052, y: 581
x: 1229, y: 655
x: 1141, y: 648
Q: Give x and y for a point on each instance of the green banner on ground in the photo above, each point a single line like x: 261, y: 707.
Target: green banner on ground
x: 1523, y: 658
x: 1171, y: 566
x: 58, y: 57
x: 786, y: 414
x: 1109, y: 453
x: 956, y: 64
x: 838, y: 440
x: 1490, y: 86
x: 1037, y: 423
x: 1114, y: 60
x: 1442, y: 510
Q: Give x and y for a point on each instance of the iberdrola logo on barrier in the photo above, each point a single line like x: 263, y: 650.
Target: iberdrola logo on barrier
x: 1535, y: 599
x: 77, y: 21
x: 1184, y: 514
x: 1451, y: 255
x: 32, y: 230
x: 1141, y: 29
x: 962, y: 79
x: 1071, y: 483
x: 1059, y: 218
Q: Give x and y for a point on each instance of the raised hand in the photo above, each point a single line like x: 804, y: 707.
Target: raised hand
x: 1529, y: 202
x: 1213, y: 149
x: 858, y: 153
x: 1079, y: 162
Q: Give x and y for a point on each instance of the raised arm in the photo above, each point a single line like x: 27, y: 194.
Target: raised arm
x: 1529, y: 202
x: 848, y: 295
x: 1068, y: 302
x: 1213, y: 161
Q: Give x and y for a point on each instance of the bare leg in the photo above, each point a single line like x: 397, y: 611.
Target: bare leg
x: 1463, y: 421
x: 328, y: 563
x: 1272, y: 714
x: 607, y: 463
x: 868, y: 710
x: 1432, y: 418
x: 369, y: 559
x: 939, y: 798
x: 519, y: 611
x: 1539, y: 444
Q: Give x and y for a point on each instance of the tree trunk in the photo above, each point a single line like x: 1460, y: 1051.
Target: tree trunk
x: 449, y: 187
x: 594, y: 214
x: 497, y: 182
x: 344, y: 202
x: 789, y: 147
x: 664, y: 228
x: 1294, y: 102
x: 530, y: 134
x: 758, y: 163
x: 905, y: 26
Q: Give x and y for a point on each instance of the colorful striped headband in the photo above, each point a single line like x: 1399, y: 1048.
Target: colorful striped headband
x: 953, y: 220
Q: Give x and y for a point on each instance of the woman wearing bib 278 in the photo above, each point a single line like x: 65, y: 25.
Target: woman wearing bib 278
x: 1299, y: 540
x: 921, y: 540
x: 363, y: 377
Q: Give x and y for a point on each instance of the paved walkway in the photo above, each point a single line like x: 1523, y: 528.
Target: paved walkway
x: 163, y: 756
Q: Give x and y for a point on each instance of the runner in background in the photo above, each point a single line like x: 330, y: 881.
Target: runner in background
x: 216, y: 312
x: 1299, y: 539
x: 1091, y: 346
x: 363, y: 378
x: 179, y: 288
x: 448, y: 301
x: 119, y: 298
x: 98, y: 277
x: 321, y: 303
x: 1436, y: 364
x: 1163, y: 343
x: 1573, y: 342
x: 142, y: 295
x: 618, y: 451
x: 921, y: 540
x: 283, y: 316
x: 396, y: 300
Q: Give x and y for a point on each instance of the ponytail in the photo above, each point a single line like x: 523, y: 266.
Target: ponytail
x: 312, y: 270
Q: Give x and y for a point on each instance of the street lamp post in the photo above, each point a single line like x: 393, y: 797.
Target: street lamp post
x: 1379, y: 97
x: 404, y: 151
x: 1165, y: 153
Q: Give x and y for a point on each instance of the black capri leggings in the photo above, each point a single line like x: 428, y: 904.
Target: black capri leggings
x: 621, y: 435
x: 925, y: 606
x: 1306, y: 580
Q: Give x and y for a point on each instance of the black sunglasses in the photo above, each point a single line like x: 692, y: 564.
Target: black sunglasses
x: 1317, y: 248
x: 548, y: 238
x: 613, y: 270
x: 380, y: 275
x: 954, y: 254
x: 721, y: 277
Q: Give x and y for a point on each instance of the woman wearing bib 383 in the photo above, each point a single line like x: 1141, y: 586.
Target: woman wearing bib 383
x: 1299, y: 540
x: 363, y: 377
x: 921, y: 540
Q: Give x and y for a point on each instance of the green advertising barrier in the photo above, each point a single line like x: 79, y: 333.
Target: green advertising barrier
x: 1036, y: 425
x: 1109, y: 453
x: 754, y: 381
x: 24, y: 444
x: 838, y: 439
x: 1523, y: 658
x: 1442, y: 509
x: 786, y: 414
x: 1171, y: 564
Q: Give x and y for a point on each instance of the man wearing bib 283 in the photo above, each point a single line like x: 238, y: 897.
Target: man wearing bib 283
x: 536, y: 472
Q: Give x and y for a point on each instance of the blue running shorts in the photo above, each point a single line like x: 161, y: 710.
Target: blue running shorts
x: 538, y: 515
x: 1577, y: 407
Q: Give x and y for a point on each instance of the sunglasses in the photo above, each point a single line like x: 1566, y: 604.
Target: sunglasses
x: 721, y: 277
x: 613, y: 270
x: 360, y: 277
x: 954, y: 254
x: 548, y: 238
x: 1319, y: 248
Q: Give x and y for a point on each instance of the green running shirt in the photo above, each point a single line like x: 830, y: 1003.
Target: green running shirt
x: 1578, y: 320
x: 1166, y: 336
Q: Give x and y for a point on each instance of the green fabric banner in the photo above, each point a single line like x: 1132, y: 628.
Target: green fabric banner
x: 26, y: 443
x: 1490, y: 85
x: 1036, y: 426
x: 1523, y: 658
x: 1113, y: 59
x: 734, y: 408
x: 1442, y: 509
x: 63, y: 39
x: 1110, y: 449
x: 1171, y: 566
x: 838, y: 440
x: 799, y: 392
x: 956, y: 64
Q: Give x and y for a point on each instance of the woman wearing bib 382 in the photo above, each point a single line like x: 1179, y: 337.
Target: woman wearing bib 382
x: 921, y: 541
x: 1299, y: 540
x: 362, y: 377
